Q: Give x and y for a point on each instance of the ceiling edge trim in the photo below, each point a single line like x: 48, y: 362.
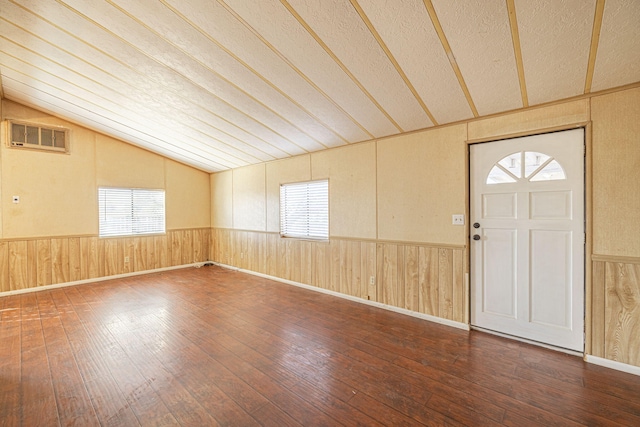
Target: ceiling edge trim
x: 341, y: 64
x: 393, y: 60
x: 475, y: 119
x: 293, y: 67
x: 452, y: 59
x: 595, y: 41
x: 515, y: 38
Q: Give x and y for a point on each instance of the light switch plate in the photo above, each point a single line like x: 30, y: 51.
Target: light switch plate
x: 16, y: 199
x: 457, y: 219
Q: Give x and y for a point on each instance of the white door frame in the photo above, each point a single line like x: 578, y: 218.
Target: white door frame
x: 586, y: 202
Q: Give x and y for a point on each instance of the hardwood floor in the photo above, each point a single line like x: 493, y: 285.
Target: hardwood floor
x: 207, y: 347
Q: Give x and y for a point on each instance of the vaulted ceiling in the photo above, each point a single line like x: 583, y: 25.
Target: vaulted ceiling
x: 226, y: 83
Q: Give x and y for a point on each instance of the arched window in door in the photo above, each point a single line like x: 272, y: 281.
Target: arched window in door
x: 526, y: 165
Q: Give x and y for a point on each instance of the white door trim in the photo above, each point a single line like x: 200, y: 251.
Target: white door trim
x: 578, y: 220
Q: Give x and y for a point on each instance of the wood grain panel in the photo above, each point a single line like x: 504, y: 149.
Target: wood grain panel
x: 176, y: 247
x: 110, y: 257
x: 140, y: 254
x: 149, y: 250
x: 306, y: 262
x: 356, y: 270
x: 233, y: 255
x: 344, y: 267
x: 252, y: 251
x: 239, y: 248
x: 44, y: 266
x: 213, y: 245
x: 206, y: 245
x: 84, y: 257
x: 293, y: 254
x: 334, y: 283
x: 390, y: 275
x: 32, y: 263
x: 459, y: 303
x: 75, y: 264
x: 445, y: 280
x: 411, y: 279
x: 60, y: 260
x: 428, y: 279
x: 18, y: 265
x: 421, y: 278
x: 227, y: 247
x: 598, y: 303
x: 262, y: 253
x: 186, y: 248
x: 321, y: 265
x: 623, y: 313
x: 198, y: 248
x: 272, y: 254
x: 400, y: 267
x: 128, y: 252
x: 102, y: 253
x: 369, y: 259
x: 29, y: 263
x: 282, y: 262
x: 92, y: 258
x: 379, y: 266
x: 214, y: 250
x: 161, y: 251
x: 257, y: 249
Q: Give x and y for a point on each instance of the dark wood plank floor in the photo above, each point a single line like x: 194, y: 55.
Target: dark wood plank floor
x: 207, y: 347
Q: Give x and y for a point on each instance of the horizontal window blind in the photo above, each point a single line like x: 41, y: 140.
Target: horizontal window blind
x: 130, y: 211
x: 304, y: 209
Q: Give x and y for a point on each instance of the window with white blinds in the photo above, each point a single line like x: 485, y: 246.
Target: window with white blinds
x: 130, y: 211
x: 304, y: 210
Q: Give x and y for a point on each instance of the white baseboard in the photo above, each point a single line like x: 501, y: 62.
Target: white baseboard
x: 404, y: 311
x: 97, y: 279
x: 607, y: 363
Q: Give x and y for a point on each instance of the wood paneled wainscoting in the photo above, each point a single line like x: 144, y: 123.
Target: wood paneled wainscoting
x: 29, y: 263
x: 616, y: 309
x: 419, y: 277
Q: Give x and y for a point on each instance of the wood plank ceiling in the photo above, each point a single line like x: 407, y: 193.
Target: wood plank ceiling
x: 226, y: 83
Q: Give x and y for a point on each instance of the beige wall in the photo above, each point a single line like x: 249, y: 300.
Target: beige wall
x: 285, y: 171
x: 222, y: 199
x: 402, y: 189
x: 58, y: 192
x: 352, y: 188
x: 421, y: 183
x: 616, y: 173
x: 186, y: 204
x: 249, y: 200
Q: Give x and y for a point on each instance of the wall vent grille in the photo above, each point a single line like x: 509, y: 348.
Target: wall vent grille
x: 27, y: 135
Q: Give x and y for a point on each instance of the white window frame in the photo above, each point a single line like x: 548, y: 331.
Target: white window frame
x: 304, y: 210
x: 131, y: 211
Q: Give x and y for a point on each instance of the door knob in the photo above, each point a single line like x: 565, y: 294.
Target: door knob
x: 476, y: 237
x: 476, y: 225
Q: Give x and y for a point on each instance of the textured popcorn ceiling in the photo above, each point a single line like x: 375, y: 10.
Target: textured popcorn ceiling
x: 222, y: 84
x: 555, y: 38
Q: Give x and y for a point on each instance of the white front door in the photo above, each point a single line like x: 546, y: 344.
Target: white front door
x: 527, y: 246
